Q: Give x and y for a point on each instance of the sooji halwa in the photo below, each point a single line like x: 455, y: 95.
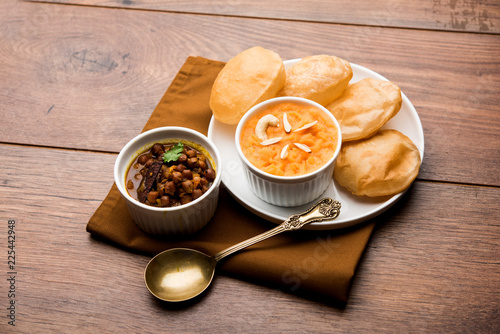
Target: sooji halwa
x: 171, y: 174
x: 289, y: 139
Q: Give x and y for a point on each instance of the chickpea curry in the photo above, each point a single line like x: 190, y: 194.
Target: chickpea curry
x: 168, y: 175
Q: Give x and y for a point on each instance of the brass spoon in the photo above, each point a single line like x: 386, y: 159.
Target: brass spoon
x: 179, y: 274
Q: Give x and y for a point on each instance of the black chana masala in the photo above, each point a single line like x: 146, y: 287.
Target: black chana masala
x: 169, y: 175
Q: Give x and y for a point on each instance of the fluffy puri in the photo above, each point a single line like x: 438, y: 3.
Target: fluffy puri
x: 320, y: 78
x: 251, y: 77
x: 381, y: 165
x: 365, y: 106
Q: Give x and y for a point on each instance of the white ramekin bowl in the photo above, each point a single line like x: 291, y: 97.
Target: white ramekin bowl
x: 183, y: 219
x: 287, y: 191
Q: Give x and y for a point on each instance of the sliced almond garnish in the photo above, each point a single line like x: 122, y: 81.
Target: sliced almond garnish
x: 286, y: 124
x: 303, y: 147
x: 271, y: 141
x: 307, y: 126
x: 284, y: 152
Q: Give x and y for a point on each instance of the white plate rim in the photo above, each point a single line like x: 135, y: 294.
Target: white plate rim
x: 278, y: 214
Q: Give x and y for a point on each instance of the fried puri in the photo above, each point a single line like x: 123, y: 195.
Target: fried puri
x: 251, y: 77
x: 320, y: 78
x: 381, y: 165
x: 365, y: 106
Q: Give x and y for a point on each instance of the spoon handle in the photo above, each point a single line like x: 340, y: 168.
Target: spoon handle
x: 325, y: 209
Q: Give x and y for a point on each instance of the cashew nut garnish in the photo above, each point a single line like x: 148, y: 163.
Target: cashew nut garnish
x: 263, y: 123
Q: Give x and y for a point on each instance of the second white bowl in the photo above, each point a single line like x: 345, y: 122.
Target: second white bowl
x: 183, y: 219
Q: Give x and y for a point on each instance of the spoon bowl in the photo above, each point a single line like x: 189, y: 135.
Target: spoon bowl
x: 179, y: 274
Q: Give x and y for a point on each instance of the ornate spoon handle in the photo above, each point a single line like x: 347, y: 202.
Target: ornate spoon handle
x: 325, y: 209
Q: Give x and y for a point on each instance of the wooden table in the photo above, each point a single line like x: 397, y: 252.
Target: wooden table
x: 79, y: 78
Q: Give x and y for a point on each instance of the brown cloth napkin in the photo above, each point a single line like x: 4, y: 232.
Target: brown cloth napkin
x: 310, y: 263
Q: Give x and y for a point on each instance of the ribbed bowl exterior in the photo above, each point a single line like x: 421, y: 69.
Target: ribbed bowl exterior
x: 178, y: 222
x: 289, y: 194
x: 287, y: 191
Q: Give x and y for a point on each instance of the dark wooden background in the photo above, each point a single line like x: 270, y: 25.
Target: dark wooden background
x: 79, y: 78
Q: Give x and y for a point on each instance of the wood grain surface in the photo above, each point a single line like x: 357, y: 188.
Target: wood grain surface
x: 80, y: 78
x: 422, y: 264
x: 459, y: 15
x: 113, y: 76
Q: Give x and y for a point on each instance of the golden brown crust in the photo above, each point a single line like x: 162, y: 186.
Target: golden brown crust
x: 251, y: 77
x: 320, y: 78
x: 381, y: 165
x: 365, y: 106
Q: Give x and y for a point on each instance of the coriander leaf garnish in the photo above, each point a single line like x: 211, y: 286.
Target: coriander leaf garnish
x: 174, y: 153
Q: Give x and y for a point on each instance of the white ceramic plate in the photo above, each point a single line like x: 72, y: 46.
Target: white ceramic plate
x: 354, y: 209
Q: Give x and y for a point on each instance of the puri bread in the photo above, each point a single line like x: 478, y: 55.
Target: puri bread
x: 365, y: 106
x: 320, y: 78
x: 251, y: 77
x: 381, y: 165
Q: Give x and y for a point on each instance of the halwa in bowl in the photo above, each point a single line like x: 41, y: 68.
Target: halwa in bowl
x: 288, y: 147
